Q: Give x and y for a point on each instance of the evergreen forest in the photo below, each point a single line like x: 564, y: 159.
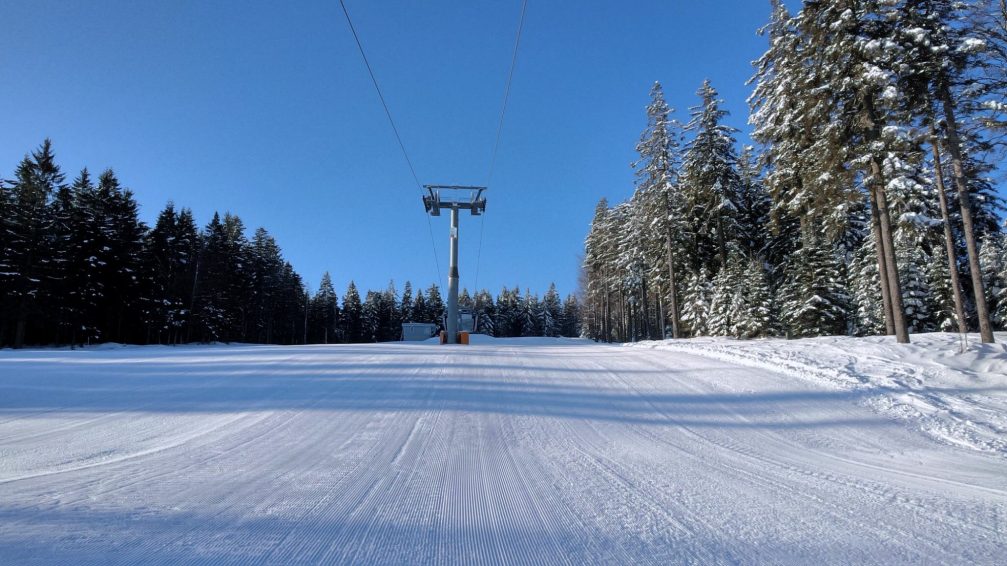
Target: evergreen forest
x: 78, y: 267
x: 867, y: 205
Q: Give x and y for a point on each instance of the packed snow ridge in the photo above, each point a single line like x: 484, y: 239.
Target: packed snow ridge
x: 951, y: 386
x: 524, y: 451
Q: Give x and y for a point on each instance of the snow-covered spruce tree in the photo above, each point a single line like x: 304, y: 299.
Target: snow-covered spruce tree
x: 465, y: 300
x: 697, y: 301
x: 508, y: 310
x: 815, y: 301
x: 727, y: 301
x: 530, y: 315
x: 917, y: 240
x: 113, y: 249
x: 939, y: 56
x: 6, y: 267
x: 222, y: 281
x: 324, y: 316
x: 598, y: 250
x: 916, y: 294
x: 352, y: 316
x: 265, y: 267
x: 631, y: 264
x: 69, y: 243
x: 756, y: 314
x: 660, y: 199
x: 989, y: 23
x: 391, y: 325
x: 406, y: 304
x: 571, y: 325
x: 942, y: 301
x: 486, y: 313
x: 710, y: 182
x: 993, y: 270
x: 434, y: 305
x: 172, y: 250
x: 371, y: 317
x: 753, y: 206
x: 551, y: 313
x: 795, y: 128
x: 28, y: 253
x: 843, y: 48
x: 867, y: 310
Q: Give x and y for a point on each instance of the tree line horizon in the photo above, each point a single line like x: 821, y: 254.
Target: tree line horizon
x: 78, y: 267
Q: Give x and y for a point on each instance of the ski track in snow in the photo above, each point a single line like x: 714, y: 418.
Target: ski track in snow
x: 524, y: 451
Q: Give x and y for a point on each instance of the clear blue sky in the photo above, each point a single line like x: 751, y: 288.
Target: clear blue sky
x: 266, y: 110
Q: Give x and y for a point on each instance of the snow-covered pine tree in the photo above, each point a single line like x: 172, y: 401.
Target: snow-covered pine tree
x: 939, y: 54
x: 170, y: 257
x: 941, y: 302
x: 486, y: 313
x: 551, y: 313
x: 406, y: 304
x: 324, y: 315
x: 222, y: 288
x: 571, y: 326
x: 753, y: 206
x: 660, y: 201
x: 391, y: 318
x: 434, y: 305
x: 599, y: 253
x: 69, y: 239
x: 916, y: 294
x: 844, y: 49
x: 531, y: 314
x: 465, y: 300
x: 867, y: 310
x: 756, y: 315
x: 727, y: 302
x: 993, y: 269
x: 697, y: 299
x: 815, y: 300
x: 710, y: 182
x: 917, y: 240
x: 421, y: 313
x: 353, y: 316
x: 28, y: 227
x: 370, y: 316
x: 265, y: 268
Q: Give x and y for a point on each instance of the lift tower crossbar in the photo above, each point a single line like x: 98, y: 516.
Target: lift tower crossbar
x: 453, y: 198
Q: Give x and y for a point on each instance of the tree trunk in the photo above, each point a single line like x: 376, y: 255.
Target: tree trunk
x: 894, y: 285
x: 22, y: 320
x: 964, y: 200
x: 887, y: 241
x: 660, y: 312
x: 886, y: 296
x: 645, y: 308
x: 607, y: 308
x: 949, y: 242
x: 676, y: 331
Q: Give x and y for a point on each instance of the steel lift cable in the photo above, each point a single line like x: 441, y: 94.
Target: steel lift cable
x: 395, y: 130
x: 500, y: 123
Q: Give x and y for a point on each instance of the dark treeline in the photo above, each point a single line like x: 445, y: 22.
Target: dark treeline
x: 77, y: 266
x: 867, y: 207
x: 379, y: 316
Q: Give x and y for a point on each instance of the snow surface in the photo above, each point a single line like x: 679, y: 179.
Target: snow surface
x: 528, y: 451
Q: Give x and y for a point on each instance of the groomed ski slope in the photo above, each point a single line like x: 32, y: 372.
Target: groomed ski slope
x: 529, y: 451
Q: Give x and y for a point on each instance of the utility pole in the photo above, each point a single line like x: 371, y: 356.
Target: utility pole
x: 454, y: 198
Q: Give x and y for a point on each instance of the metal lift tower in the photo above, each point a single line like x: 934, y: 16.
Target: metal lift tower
x: 454, y: 198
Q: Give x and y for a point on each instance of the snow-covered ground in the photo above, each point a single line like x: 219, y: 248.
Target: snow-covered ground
x: 954, y: 388
x: 521, y: 451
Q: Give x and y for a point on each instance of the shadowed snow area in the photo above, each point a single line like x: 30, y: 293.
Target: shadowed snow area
x: 531, y: 451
